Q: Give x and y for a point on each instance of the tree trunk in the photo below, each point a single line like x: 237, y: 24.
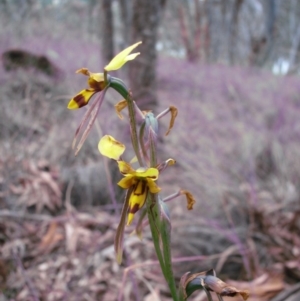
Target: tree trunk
x: 190, y: 28
x: 142, y: 71
x: 234, y: 29
x: 107, y: 30
x: 126, y: 12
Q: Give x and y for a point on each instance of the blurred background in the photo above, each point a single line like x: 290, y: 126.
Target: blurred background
x: 231, y: 67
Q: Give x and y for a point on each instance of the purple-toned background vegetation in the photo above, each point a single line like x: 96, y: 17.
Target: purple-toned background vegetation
x: 236, y: 142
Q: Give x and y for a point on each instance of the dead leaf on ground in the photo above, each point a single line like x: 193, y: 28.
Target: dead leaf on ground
x: 51, y: 239
x: 262, y: 288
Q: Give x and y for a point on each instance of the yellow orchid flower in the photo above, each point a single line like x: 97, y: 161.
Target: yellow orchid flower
x: 141, y: 180
x: 96, y: 84
x: 124, y: 56
x: 96, y: 81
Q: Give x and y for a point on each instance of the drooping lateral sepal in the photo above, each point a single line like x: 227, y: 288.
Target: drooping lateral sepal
x: 88, y: 121
x: 119, y: 238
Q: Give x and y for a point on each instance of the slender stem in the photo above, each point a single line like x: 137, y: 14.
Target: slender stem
x: 29, y: 283
x: 166, y: 242
x: 153, y: 214
x: 134, y: 135
x: 153, y: 158
x: 165, y: 257
x: 142, y: 144
x: 161, y: 228
x: 105, y: 77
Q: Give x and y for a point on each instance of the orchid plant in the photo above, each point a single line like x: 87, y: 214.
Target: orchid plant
x: 142, y: 191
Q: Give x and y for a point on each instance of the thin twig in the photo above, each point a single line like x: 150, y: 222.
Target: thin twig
x: 31, y: 288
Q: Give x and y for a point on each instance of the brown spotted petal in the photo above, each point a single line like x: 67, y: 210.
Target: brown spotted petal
x: 137, y: 199
x: 81, y: 99
x: 95, y: 85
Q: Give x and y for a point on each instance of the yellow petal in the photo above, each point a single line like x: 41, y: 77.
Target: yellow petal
x: 130, y: 218
x: 151, y: 173
x: 120, y: 59
x: 120, y: 106
x: 95, y: 85
x: 137, y: 199
x: 81, y: 99
x: 98, y: 77
x: 125, y: 168
x: 127, y: 182
x: 152, y: 186
x: 109, y: 147
x: 132, y: 56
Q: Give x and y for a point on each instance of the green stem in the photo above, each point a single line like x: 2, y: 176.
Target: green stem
x: 153, y: 213
x: 142, y: 144
x: 134, y: 135
x: 166, y: 241
x: 160, y: 229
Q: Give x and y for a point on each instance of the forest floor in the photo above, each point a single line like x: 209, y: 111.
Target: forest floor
x: 235, y: 140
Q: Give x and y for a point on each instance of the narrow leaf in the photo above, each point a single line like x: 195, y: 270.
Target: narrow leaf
x: 119, y: 238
